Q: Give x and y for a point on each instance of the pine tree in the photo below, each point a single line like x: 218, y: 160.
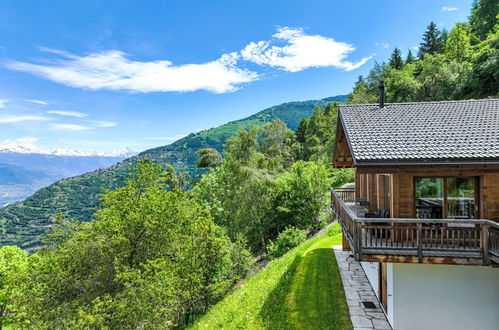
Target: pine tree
x: 410, y: 58
x: 396, y: 61
x: 432, y: 41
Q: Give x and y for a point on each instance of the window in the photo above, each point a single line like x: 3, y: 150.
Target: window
x: 450, y: 198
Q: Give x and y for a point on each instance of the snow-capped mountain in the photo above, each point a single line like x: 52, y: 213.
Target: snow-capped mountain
x: 25, y: 168
x: 26, y: 149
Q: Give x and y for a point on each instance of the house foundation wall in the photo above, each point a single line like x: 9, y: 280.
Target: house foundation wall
x: 444, y: 297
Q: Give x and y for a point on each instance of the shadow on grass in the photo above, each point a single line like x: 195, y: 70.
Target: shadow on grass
x: 309, y: 295
x: 276, y: 312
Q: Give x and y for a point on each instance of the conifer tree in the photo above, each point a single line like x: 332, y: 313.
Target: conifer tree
x: 432, y: 41
x: 410, y: 58
x: 396, y: 61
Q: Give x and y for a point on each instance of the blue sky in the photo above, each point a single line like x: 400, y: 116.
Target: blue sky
x: 104, y: 75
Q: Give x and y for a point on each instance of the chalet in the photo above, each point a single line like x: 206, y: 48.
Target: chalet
x: 423, y: 218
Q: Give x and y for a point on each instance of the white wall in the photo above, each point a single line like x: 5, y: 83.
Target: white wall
x: 372, y: 272
x: 389, y: 292
x: 444, y: 297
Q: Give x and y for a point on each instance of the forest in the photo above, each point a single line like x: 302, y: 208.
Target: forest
x: 162, y: 250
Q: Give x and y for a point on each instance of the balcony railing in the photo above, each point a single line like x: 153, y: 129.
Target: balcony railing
x: 452, y: 241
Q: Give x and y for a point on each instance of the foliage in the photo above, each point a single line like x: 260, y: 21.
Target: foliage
x: 13, y: 266
x: 301, y: 290
x: 458, y: 45
x: 396, y: 61
x: 483, y: 17
x: 432, y: 41
x: 459, y: 65
x: 208, y: 157
x: 152, y: 259
x: 290, y: 238
x: 260, y: 187
x: 25, y: 222
x: 299, y: 196
x: 316, y: 134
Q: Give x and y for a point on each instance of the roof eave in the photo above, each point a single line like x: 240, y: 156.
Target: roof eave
x: 493, y: 162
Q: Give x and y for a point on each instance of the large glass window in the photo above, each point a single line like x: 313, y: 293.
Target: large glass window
x: 451, y: 198
x: 429, y: 198
x: 460, y: 198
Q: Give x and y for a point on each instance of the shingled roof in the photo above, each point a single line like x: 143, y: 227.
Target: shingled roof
x: 459, y: 132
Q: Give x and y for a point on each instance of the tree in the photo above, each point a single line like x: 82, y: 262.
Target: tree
x: 401, y: 85
x: 13, y: 267
x: 208, y: 157
x: 484, y: 80
x: 298, y: 196
x: 152, y: 258
x: 484, y: 17
x: 410, y: 58
x: 432, y: 41
x: 278, y: 146
x: 396, y: 61
x: 458, y: 45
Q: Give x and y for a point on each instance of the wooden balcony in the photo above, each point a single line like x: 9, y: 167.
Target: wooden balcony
x: 433, y: 241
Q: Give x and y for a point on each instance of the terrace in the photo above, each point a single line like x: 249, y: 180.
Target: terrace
x: 415, y: 240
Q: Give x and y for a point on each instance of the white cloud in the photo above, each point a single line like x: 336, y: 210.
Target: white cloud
x: 25, y: 143
x: 449, y: 8
x: 103, y: 123
x: 68, y: 113
x: 2, y: 103
x: 383, y: 44
x: 415, y: 47
x: 16, y: 119
x: 113, y: 70
x: 40, y: 102
x: 301, y: 51
x: 71, y: 127
x: 166, y: 138
x: 290, y: 49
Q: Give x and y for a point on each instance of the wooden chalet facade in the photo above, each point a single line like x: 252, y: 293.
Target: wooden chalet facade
x: 425, y: 207
x: 435, y: 182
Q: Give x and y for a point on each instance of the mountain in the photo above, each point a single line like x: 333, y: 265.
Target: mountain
x: 22, y: 173
x: 78, y: 197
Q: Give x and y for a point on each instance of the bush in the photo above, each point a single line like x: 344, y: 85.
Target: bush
x: 288, y: 239
x: 333, y: 230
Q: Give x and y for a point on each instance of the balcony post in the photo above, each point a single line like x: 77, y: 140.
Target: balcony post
x: 358, y: 240
x: 485, y: 244
x: 419, y: 234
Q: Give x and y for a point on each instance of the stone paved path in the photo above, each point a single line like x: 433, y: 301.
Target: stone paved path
x: 358, y: 289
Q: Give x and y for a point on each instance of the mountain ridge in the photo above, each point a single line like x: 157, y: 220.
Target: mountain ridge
x: 78, y: 197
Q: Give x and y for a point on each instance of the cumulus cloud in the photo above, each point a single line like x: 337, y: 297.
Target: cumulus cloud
x: 289, y: 49
x: 300, y: 51
x: 2, y: 103
x: 16, y: 119
x: 70, y: 127
x: 449, y: 8
x: 113, y: 70
x: 68, y: 113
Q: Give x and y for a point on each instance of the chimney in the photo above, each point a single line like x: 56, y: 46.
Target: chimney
x: 381, y: 87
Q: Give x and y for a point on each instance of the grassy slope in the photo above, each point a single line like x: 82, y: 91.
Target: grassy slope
x: 302, y: 290
x: 77, y: 197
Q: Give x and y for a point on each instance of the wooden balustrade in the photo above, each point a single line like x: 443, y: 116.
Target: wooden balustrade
x: 346, y: 194
x: 422, y: 240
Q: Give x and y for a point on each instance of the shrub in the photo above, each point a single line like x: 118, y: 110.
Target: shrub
x: 288, y: 239
x: 333, y: 230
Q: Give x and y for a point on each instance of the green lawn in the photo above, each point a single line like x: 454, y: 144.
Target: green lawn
x: 301, y: 290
